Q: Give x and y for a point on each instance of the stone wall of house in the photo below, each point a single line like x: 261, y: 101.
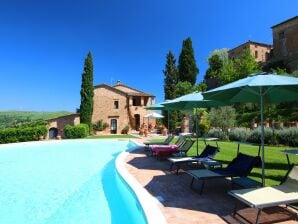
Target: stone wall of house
x: 104, y: 107
x: 285, y: 43
x: 261, y: 53
x: 141, y: 111
x: 60, y: 122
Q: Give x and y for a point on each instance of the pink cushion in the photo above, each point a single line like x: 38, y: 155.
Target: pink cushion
x: 158, y: 148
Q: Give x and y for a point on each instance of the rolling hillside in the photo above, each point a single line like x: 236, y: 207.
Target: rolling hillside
x: 12, y: 118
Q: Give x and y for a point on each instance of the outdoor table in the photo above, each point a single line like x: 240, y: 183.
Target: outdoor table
x: 248, y: 143
x: 210, y: 139
x: 290, y: 152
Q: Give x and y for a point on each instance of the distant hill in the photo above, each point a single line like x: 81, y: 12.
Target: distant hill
x: 12, y: 118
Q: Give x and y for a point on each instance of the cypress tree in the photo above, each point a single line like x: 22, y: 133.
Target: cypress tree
x: 187, y: 68
x: 170, y: 81
x: 86, y: 107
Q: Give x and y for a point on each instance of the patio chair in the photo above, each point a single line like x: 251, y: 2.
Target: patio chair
x: 208, y: 153
x: 167, y: 141
x: 180, y: 151
x: 284, y: 194
x: 240, y: 166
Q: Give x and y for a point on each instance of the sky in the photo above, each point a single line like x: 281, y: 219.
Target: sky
x: 43, y: 44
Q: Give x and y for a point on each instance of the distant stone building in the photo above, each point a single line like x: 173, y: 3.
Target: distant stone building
x: 260, y: 51
x: 285, y: 44
x: 120, y: 105
x: 56, y: 125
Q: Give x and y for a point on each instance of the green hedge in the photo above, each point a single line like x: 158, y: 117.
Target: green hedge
x: 285, y: 136
x: 78, y: 131
x: 239, y: 134
x: 217, y: 133
x: 255, y: 136
x: 23, y: 134
x: 288, y: 136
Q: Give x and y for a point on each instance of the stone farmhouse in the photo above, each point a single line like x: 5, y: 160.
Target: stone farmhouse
x: 260, y: 51
x: 117, y: 105
x: 120, y: 105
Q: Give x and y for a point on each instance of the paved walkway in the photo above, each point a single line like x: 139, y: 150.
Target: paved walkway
x: 180, y: 204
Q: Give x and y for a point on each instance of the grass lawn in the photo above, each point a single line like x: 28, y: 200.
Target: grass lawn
x: 110, y: 136
x: 276, y: 164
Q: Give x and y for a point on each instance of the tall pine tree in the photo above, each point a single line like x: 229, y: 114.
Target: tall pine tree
x: 86, y: 107
x: 170, y: 81
x: 187, y: 68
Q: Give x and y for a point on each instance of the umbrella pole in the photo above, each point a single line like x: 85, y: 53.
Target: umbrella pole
x: 168, y: 122
x: 262, y: 137
x: 197, y: 133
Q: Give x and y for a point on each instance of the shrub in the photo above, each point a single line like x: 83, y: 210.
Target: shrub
x: 23, y: 134
x: 203, y: 129
x: 239, y: 134
x: 8, y: 135
x: 217, y: 133
x: 78, y: 131
x: 255, y: 136
x: 288, y: 136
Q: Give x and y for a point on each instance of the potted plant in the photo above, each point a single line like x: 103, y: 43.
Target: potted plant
x: 99, y: 127
x: 125, y: 130
x: 146, y: 132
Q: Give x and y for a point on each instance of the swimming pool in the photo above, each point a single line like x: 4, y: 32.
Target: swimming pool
x: 65, y: 182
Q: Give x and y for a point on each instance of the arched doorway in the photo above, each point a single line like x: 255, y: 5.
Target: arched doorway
x: 137, y: 121
x: 113, y: 126
x: 53, y: 133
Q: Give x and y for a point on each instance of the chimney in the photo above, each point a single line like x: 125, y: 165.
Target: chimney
x: 118, y: 82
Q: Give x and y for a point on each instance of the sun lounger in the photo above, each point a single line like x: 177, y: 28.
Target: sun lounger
x: 284, y: 194
x: 179, y: 142
x: 208, y: 153
x: 240, y: 166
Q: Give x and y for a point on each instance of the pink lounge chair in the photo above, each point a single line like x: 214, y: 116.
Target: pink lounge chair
x: 181, y: 150
x: 158, y: 148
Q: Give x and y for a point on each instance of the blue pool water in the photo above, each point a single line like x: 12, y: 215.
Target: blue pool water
x: 65, y: 182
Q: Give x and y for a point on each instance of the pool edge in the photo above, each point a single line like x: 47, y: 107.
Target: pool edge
x: 149, y: 204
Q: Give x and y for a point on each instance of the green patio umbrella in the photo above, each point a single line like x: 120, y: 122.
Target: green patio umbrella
x: 262, y: 88
x: 157, y: 106
x: 191, y: 101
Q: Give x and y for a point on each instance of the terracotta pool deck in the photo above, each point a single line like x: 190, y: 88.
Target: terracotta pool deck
x: 180, y: 204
